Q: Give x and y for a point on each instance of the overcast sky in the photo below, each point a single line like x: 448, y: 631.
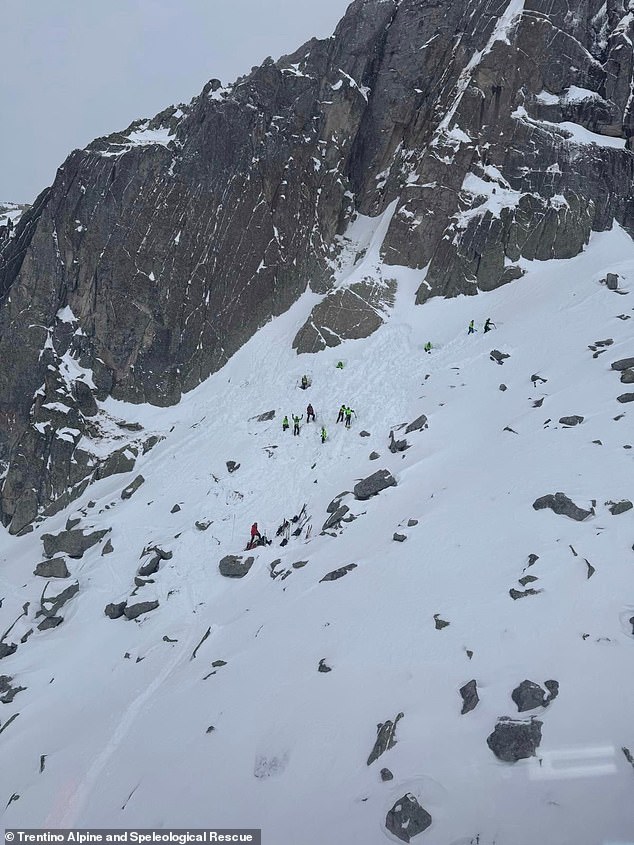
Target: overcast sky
x: 72, y: 70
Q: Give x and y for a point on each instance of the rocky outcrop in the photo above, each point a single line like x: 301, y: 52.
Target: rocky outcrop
x: 385, y: 738
x: 453, y: 123
x: 74, y: 543
x: 470, y: 697
x: 339, y: 573
x: 233, y: 566
x: 132, y: 611
x: 54, y: 568
x: 529, y: 695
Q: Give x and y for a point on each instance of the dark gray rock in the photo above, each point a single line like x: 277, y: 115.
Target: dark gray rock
x: 364, y: 434
x: 374, y: 456
x: 512, y: 741
x: 400, y: 538
x: 150, y: 568
x: 51, y: 605
x: 418, y: 424
x: 203, y: 525
x: 162, y: 554
x: 470, y: 697
x: 339, y: 573
x: 120, y: 461
x: 386, y: 775
x: 625, y: 397
x: 527, y: 579
x: 519, y: 594
x: 562, y: 505
x: 373, y: 484
x: 503, y: 388
x: 108, y: 548
x: 573, y: 420
x: 627, y: 376
x: 50, y: 622
x: 397, y: 445
x: 440, y: 623
x: 497, y: 356
x: 407, y: 818
x: 115, y: 611
x: 620, y: 507
x: 233, y: 566
x: 385, y: 738
x: 7, y: 649
x: 336, y: 502
x: 232, y: 466
x: 266, y: 416
x: 131, y: 489
x: 323, y: 667
x: 623, y: 364
x: 334, y: 520
x: 299, y: 564
x: 411, y: 523
x: 528, y: 695
x: 553, y: 690
x: 74, y: 543
x: 7, y: 691
x: 532, y: 558
x: 175, y: 508
x: 132, y: 611
x: 54, y: 568
x: 612, y: 281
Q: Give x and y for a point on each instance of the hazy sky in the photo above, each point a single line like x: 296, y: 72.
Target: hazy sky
x: 72, y: 70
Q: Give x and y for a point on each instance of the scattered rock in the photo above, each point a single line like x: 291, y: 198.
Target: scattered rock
x: 411, y: 523
x: 400, y: 538
x: 374, y: 456
x: 407, y: 818
x: 620, y: 507
x: 386, y: 775
x: 364, y: 434
x: 570, y: 421
x: 50, y: 622
x: 150, y: 568
x: 418, y: 425
x: 373, y: 484
x: 232, y: 466
x: 217, y: 663
x: 527, y: 579
x: 74, y: 543
x: 623, y: 364
x: 535, y: 378
x: 336, y: 502
x: 591, y: 569
x: 440, y: 623
x: 339, y: 573
x: 7, y: 692
x: 232, y: 566
x: 115, y: 611
x: 502, y: 387
x: 562, y: 505
x: 512, y: 741
x: 299, y: 564
x: 385, y: 738
x: 108, y: 548
x: 265, y: 417
x: 210, y: 729
x: 611, y: 281
x: 54, y: 568
x: 518, y: 594
x: 397, y: 445
x: 176, y: 508
x: 131, y: 611
x: 335, y: 518
x: 628, y: 755
x: 532, y: 558
x: 497, y: 356
x: 7, y: 649
x: 625, y: 397
x: 323, y: 667
x: 50, y: 605
x: 470, y: 697
x: 203, y: 525
x: 529, y: 695
x: 627, y: 376
x: 132, y: 487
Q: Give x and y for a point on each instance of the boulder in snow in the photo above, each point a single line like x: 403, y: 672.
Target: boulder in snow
x: 512, y: 741
x: 335, y: 518
x: 385, y: 738
x: 617, y: 508
x: 54, y: 568
x: 7, y: 649
x: 627, y: 376
x: 373, y: 484
x: 417, y: 425
x: 470, y: 697
x: 562, y: 505
x: 623, y: 364
x: 529, y: 695
x: 339, y: 573
x: 115, y: 611
x: 397, y: 445
x: 233, y: 566
x: 575, y: 419
x: 131, y: 611
x: 74, y: 543
x: 132, y: 487
x: 407, y: 818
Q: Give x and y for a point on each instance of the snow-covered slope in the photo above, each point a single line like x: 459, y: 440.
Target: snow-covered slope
x: 113, y: 727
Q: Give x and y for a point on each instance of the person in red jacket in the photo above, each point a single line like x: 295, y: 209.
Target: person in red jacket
x: 255, y: 533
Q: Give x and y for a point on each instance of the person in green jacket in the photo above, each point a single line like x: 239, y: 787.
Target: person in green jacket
x: 296, y: 421
x: 285, y: 424
x: 427, y: 346
x: 471, y: 328
x: 342, y: 413
x: 324, y: 434
x: 349, y: 412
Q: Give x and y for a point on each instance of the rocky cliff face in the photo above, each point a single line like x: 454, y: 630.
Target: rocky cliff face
x: 484, y: 132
